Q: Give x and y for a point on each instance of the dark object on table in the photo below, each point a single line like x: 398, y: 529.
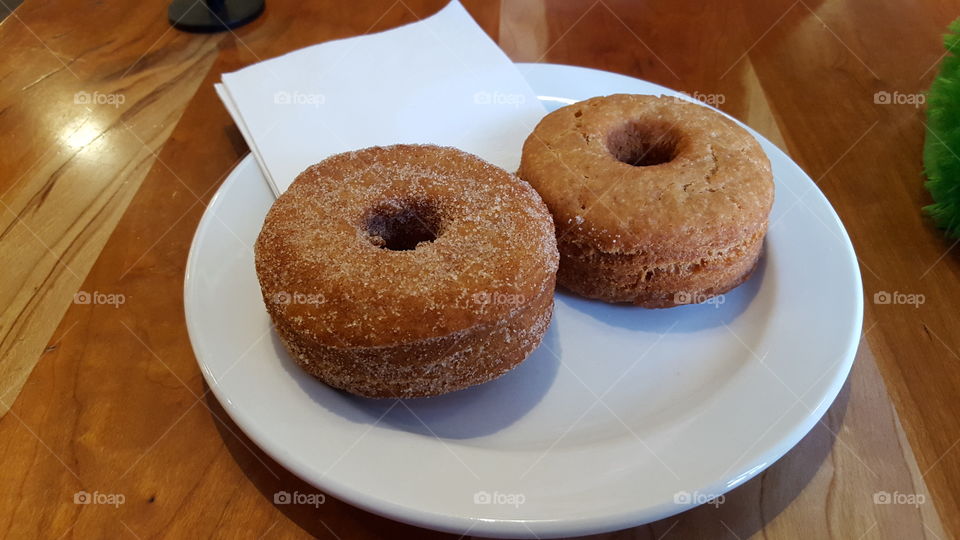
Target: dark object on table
x: 212, y: 15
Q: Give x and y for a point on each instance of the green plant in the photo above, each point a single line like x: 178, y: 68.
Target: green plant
x: 941, y: 150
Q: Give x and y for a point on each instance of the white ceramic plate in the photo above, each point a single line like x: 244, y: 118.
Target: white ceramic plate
x: 623, y: 416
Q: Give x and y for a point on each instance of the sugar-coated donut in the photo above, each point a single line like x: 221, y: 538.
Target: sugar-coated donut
x: 656, y: 201
x: 408, y: 270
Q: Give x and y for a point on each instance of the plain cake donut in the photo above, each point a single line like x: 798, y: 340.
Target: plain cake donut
x: 408, y: 270
x: 657, y: 201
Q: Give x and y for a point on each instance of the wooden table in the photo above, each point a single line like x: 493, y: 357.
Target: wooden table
x: 102, y: 195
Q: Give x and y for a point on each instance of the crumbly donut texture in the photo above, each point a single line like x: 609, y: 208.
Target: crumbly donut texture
x: 656, y: 201
x: 408, y: 270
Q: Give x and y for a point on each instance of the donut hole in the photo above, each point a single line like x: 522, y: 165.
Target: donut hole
x: 402, y: 225
x: 644, y: 144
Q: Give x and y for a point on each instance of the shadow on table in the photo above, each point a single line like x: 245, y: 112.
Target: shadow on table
x: 745, y: 510
x: 331, y: 519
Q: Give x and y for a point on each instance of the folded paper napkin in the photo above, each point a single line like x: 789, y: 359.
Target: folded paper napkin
x: 440, y: 80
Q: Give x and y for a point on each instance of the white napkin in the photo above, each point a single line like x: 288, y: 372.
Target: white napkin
x: 440, y: 80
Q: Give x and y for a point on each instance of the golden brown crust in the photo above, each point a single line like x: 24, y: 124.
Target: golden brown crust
x: 407, y: 270
x: 628, y: 278
x: 651, y: 197
x: 428, y: 367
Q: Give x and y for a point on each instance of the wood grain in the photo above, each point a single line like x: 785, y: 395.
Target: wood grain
x: 81, y: 120
x: 869, y: 166
x: 116, y: 403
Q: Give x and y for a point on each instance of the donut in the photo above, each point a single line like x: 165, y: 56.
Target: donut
x: 656, y: 201
x: 408, y: 270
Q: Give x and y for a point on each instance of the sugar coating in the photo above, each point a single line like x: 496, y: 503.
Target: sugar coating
x: 349, y: 309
